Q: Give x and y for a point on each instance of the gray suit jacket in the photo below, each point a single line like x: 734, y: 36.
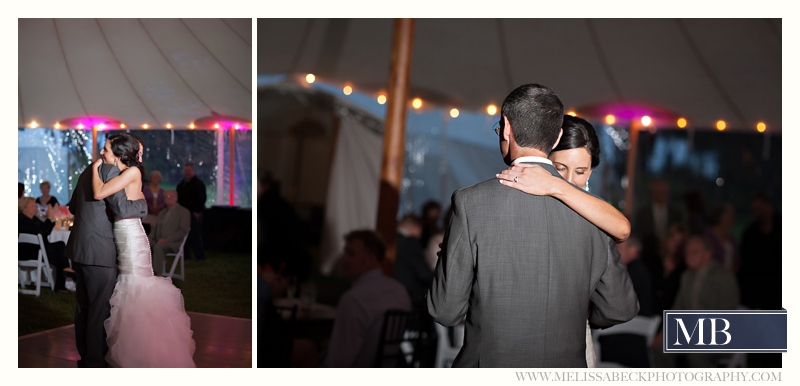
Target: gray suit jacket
x: 172, y: 226
x: 523, y: 269
x: 91, y: 241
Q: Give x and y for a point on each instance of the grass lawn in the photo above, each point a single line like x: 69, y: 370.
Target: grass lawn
x: 221, y: 285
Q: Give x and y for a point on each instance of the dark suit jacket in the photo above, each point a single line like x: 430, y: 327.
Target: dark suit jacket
x: 523, y: 269
x: 32, y: 226
x: 411, y: 270
x: 91, y: 241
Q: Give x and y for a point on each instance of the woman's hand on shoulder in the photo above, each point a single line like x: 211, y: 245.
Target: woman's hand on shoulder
x: 531, y: 179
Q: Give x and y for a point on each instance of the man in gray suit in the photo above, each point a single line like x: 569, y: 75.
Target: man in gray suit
x: 91, y: 247
x: 523, y: 269
x: 171, y: 228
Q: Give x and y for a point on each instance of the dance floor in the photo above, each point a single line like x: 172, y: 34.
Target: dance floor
x: 221, y: 341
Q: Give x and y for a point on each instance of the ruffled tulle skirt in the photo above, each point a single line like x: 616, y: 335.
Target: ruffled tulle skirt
x: 148, y: 326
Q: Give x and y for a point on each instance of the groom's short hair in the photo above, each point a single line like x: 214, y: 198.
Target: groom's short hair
x: 536, y: 114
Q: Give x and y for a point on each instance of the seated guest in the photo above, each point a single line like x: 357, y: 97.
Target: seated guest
x: 359, y: 316
x: 30, y: 224
x: 154, y: 194
x: 410, y: 268
x: 705, y: 285
x: 20, y: 189
x: 46, y: 199
x: 171, y: 228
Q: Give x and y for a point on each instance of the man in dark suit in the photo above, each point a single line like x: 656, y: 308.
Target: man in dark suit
x: 410, y: 268
x: 91, y: 247
x: 523, y: 269
x: 192, y: 195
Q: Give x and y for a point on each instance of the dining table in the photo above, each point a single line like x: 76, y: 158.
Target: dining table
x: 310, y: 320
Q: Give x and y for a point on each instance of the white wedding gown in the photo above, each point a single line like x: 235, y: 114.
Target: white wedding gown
x: 148, y: 326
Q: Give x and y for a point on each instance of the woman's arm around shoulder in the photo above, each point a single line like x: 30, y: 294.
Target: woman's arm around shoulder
x: 534, y: 179
x: 102, y: 190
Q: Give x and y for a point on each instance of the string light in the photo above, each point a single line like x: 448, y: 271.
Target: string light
x: 610, y: 119
x: 57, y: 125
x: 80, y: 126
x: 572, y: 113
x: 169, y: 125
x: 310, y: 78
x: 682, y: 122
x: 646, y: 120
x: 101, y: 126
x: 491, y: 110
x: 761, y: 127
x: 145, y: 126
x: 191, y: 126
x: 416, y: 103
x: 34, y: 125
x: 381, y: 99
x: 454, y: 113
x: 216, y: 125
x: 122, y: 126
x: 347, y: 90
x: 721, y: 125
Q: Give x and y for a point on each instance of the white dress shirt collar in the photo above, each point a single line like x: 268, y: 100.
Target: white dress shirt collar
x: 532, y: 158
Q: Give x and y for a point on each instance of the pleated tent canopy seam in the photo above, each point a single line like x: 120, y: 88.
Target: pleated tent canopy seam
x: 157, y: 72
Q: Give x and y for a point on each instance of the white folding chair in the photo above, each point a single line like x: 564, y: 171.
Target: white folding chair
x: 446, y: 351
x: 645, y: 326
x: 178, y: 258
x: 30, y: 271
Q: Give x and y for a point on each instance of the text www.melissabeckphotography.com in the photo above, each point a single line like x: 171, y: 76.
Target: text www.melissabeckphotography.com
x: 636, y: 376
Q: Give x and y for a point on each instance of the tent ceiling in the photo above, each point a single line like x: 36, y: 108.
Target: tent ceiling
x: 136, y: 71
x: 701, y: 69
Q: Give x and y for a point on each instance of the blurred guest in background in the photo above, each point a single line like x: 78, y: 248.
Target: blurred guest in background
x: 30, y: 224
x: 760, y: 276
x: 666, y: 283
x: 359, y: 314
x: 410, y: 268
x: 431, y: 211
x: 279, y: 230
x: 433, y: 248
x: 46, y: 199
x: 652, y: 221
x: 192, y: 195
x: 20, y: 190
x: 705, y: 285
x: 154, y: 195
x: 726, y: 253
x: 170, y: 229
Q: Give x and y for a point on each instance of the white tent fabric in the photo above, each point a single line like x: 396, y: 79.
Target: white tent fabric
x: 136, y: 71
x: 352, y: 201
x: 702, y: 69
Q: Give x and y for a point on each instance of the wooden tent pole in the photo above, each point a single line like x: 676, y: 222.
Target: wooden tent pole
x: 94, y: 143
x: 631, y: 167
x: 394, y: 137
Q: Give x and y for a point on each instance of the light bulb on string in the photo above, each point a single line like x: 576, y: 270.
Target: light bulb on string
x: 761, y: 127
x: 491, y: 110
x: 416, y: 103
x: 682, y: 123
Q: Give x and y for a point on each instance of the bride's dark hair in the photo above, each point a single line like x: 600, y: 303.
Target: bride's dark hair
x: 126, y: 147
x: 578, y: 133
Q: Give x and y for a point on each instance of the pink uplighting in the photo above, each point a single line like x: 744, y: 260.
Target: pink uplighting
x: 627, y: 112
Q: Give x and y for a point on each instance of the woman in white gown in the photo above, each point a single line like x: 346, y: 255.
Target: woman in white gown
x: 148, y: 326
x: 575, y: 156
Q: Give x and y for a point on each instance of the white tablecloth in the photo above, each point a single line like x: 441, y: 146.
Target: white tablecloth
x: 58, y: 235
